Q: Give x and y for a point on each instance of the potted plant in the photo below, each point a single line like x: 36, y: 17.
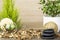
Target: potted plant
x: 10, y: 22
x: 51, y: 11
x: 10, y: 13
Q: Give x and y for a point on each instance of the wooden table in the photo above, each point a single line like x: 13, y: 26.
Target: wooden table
x: 30, y: 39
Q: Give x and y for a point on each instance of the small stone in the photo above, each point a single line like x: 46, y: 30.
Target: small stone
x: 10, y: 36
x: 16, y: 35
x: 0, y: 36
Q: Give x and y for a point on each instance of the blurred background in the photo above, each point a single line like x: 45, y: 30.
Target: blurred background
x: 31, y: 15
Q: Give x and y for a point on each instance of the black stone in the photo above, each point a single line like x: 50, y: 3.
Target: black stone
x: 48, y: 34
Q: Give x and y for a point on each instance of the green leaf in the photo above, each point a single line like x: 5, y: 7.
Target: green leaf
x: 51, y: 7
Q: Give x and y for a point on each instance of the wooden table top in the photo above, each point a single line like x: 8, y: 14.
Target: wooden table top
x: 30, y: 39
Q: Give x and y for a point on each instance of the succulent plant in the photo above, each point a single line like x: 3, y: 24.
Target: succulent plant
x: 10, y: 27
x: 8, y: 24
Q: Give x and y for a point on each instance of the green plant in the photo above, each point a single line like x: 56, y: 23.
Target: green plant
x: 9, y: 11
x: 51, y: 7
